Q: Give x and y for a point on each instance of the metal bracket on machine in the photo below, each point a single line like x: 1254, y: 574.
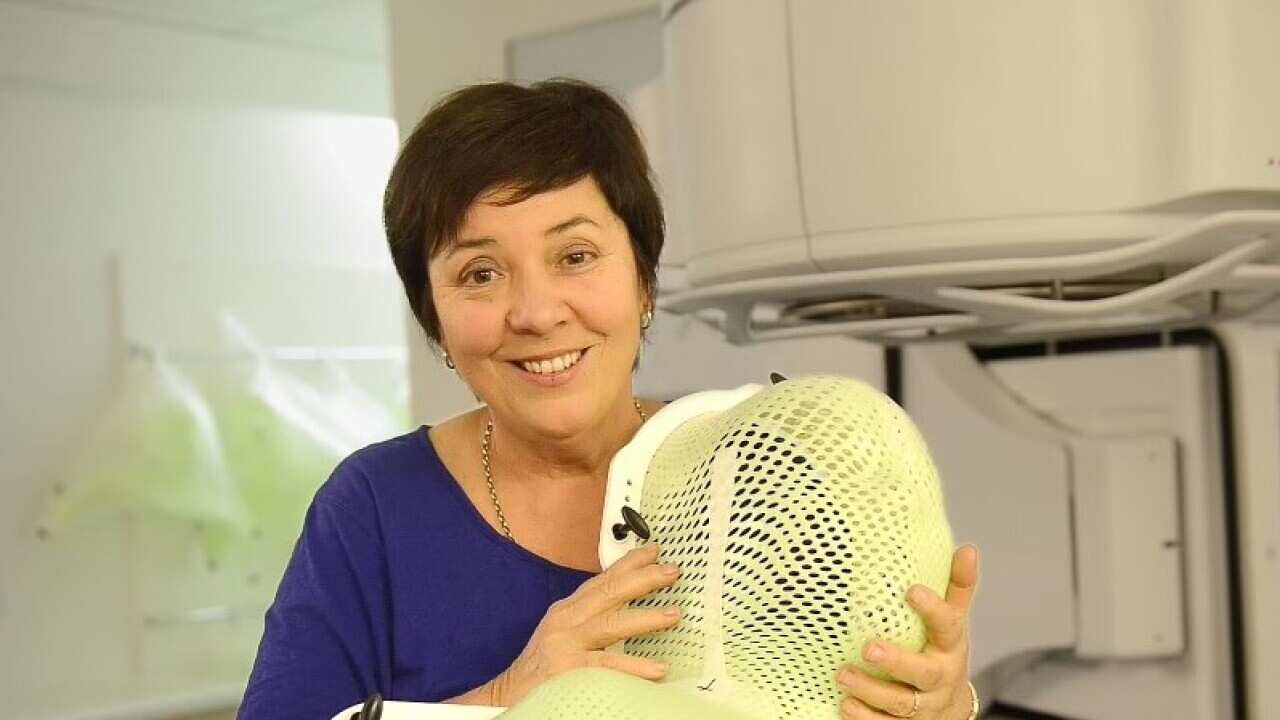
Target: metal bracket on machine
x: 1232, y: 255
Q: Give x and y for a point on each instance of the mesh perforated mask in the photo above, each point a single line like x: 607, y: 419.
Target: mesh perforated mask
x: 799, y: 515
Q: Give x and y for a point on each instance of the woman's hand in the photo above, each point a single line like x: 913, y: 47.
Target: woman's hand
x: 576, y: 630
x: 934, y: 683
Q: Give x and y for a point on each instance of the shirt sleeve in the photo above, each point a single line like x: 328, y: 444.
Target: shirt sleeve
x: 326, y: 641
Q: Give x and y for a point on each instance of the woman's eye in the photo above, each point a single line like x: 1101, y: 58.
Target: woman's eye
x: 579, y: 257
x: 480, y: 276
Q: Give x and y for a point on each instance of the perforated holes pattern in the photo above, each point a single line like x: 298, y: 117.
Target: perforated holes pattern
x: 676, y: 499
x: 836, y: 511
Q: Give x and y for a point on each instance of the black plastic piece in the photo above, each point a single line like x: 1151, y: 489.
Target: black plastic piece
x: 776, y: 377
x: 1005, y: 710
x: 372, y: 709
x: 632, y: 522
x: 893, y: 374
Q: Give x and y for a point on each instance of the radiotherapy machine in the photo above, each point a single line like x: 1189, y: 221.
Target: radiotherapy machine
x: 1062, y: 220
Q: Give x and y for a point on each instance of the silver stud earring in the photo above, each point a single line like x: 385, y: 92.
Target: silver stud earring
x: 448, y: 362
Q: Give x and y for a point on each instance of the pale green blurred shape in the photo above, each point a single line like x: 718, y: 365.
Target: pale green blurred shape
x: 155, y: 450
x: 240, y: 460
x: 277, y: 465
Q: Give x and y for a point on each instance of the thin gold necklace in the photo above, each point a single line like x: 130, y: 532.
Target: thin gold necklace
x: 488, y: 471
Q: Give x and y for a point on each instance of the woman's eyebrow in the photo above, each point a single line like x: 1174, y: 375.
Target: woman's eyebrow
x: 570, y: 223
x: 467, y: 244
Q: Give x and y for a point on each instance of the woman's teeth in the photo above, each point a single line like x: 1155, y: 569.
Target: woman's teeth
x: 554, y: 365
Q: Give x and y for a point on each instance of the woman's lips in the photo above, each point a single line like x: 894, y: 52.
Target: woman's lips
x: 556, y: 378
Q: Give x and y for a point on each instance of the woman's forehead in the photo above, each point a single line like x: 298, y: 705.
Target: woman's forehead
x: 579, y: 206
x: 494, y: 212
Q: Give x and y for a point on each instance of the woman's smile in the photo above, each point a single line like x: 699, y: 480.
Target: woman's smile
x: 552, y: 371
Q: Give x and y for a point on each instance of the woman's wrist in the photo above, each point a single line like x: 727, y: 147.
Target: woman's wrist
x: 490, y: 694
x: 497, y: 689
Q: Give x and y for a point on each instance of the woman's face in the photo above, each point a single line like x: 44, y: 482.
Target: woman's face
x: 552, y: 278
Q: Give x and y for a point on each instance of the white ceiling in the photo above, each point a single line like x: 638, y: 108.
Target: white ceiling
x: 350, y: 28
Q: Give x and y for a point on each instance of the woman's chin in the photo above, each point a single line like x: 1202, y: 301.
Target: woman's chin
x: 561, y: 420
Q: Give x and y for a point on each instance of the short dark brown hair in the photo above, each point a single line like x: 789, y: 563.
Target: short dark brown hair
x: 528, y: 140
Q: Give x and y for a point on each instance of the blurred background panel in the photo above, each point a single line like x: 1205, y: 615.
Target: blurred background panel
x: 164, y: 163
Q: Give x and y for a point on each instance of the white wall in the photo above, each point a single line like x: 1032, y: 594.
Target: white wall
x: 127, y: 138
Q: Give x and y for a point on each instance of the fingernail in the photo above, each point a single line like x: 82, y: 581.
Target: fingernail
x: 916, y: 596
x: 672, y: 612
x: 661, y: 668
x: 874, y: 653
x: 671, y: 571
x: 846, y: 678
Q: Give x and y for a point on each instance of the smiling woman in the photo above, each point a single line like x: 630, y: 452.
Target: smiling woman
x: 459, y: 562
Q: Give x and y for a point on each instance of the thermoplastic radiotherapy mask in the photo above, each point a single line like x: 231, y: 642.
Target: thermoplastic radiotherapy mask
x: 799, y: 515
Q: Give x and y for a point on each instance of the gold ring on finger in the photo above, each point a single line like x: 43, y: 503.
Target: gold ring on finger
x: 915, y: 705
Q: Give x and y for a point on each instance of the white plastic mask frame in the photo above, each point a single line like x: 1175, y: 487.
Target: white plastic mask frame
x: 628, y: 468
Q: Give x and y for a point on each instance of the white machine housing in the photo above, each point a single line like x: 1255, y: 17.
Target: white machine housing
x: 948, y: 175
x: 988, y: 169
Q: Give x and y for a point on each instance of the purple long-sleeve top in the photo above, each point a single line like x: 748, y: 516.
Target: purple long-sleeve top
x: 398, y: 585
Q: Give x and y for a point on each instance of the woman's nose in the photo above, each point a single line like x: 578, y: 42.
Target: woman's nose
x: 536, y: 305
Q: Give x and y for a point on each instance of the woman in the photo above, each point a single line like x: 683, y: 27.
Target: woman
x: 458, y: 563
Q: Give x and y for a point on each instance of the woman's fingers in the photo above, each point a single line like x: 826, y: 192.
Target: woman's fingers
x: 893, y: 698
x: 925, y: 672
x: 640, y: 667
x: 575, y: 630
x: 946, y: 620
x: 635, y: 575
x: 944, y: 624
x: 855, y: 709
x: 635, y: 558
x: 964, y: 578
x: 612, y: 627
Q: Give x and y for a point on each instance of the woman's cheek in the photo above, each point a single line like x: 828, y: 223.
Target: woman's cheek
x: 610, y: 300
x: 470, y: 327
